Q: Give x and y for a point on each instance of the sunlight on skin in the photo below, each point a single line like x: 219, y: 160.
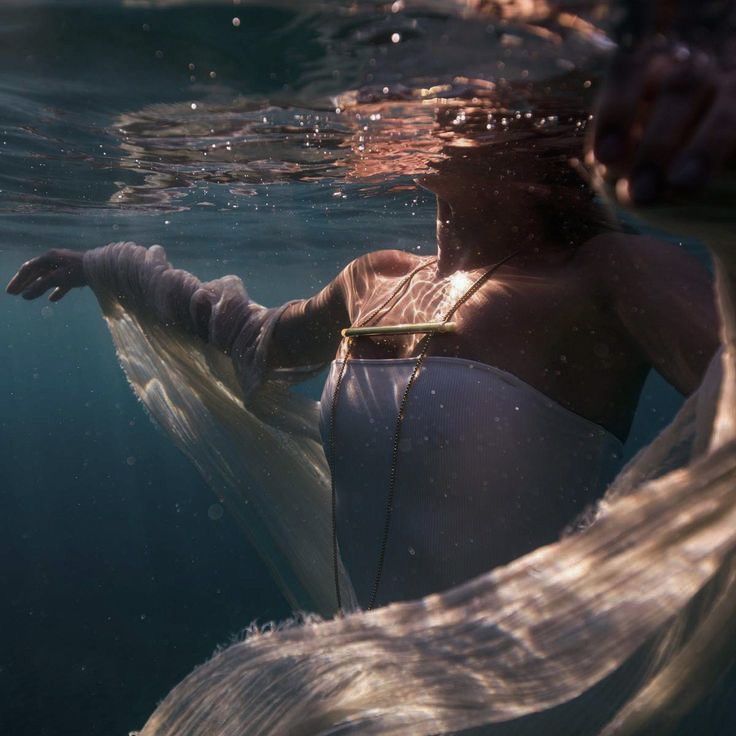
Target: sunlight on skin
x: 459, y: 282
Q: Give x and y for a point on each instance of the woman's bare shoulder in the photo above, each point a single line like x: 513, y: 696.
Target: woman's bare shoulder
x: 386, y: 263
x: 631, y: 269
x: 609, y: 252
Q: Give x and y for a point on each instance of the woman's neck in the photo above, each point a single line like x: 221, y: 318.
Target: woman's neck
x: 471, y: 236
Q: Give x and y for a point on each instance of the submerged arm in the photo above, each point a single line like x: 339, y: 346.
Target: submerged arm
x: 664, y: 300
x: 218, y: 312
x: 308, y: 330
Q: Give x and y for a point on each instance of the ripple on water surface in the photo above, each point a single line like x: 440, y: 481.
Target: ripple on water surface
x: 143, y: 105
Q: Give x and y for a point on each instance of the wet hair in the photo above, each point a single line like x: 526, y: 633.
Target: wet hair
x: 568, y: 208
x: 486, y: 126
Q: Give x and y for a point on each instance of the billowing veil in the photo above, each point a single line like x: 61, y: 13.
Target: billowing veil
x: 618, y: 628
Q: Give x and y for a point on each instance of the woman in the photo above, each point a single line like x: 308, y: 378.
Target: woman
x: 526, y: 641
x: 453, y: 449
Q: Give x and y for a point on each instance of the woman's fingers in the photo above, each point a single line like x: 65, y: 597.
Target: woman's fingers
x: 685, y: 93
x: 634, y: 79
x: 200, y: 309
x: 59, y: 293
x: 674, y: 126
x: 60, y: 268
x: 617, y: 109
x: 713, y: 144
x: 28, y: 273
x: 40, y: 286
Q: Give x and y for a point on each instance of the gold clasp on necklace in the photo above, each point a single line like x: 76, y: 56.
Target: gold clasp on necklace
x: 427, y: 328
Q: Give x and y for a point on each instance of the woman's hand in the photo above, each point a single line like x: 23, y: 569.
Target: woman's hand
x: 666, y: 118
x: 60, y: 270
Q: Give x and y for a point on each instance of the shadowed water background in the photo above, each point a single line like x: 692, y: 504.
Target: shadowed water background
x: 174, y: 126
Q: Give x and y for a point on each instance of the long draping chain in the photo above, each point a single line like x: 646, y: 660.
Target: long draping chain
x: 424, y: 343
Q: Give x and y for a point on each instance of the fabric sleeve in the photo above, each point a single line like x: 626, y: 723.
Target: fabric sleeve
x: 220, y: 312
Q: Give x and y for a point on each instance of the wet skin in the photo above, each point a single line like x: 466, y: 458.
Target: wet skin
x: 585, y: 331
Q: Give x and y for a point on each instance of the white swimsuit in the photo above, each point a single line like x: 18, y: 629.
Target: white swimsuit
x: 489, y: 468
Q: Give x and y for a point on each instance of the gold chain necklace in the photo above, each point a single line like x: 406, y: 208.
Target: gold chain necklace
x: 349, y: 335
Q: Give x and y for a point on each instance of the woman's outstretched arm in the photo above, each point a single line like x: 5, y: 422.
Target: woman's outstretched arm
x: 302, y: 334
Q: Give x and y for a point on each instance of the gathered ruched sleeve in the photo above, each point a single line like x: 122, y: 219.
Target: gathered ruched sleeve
x: 219, y: 312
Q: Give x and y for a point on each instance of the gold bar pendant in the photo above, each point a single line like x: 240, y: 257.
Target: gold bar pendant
x: 409, y: 329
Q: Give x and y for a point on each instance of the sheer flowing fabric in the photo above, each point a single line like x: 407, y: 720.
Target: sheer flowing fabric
x: 626, y: 622
x: 266, y: 462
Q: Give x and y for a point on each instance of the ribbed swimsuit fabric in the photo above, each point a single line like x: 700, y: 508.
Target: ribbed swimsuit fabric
x: 489, y: 468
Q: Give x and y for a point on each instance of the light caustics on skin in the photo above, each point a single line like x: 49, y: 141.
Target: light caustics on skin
x: 429, y: 299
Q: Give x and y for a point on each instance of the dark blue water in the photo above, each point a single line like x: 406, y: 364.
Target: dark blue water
x: 118, y: 573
